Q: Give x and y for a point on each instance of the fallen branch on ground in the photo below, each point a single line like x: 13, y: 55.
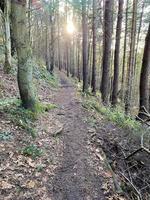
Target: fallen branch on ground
x: 139, y: 196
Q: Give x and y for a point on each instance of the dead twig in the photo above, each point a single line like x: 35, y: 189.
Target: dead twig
x: 145, y: 110
x: 143, y: 121
x: 132, y: 185
x: 138, y: 150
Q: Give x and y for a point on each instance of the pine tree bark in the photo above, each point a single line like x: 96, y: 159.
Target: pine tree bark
x: 58, y: 26
x: 7, y: 11
x: 124, y: 54
x: 72, y: 57
x: 138, y: 35
x: 107, y: 41
x: 29, y: 17
x: 67, y: 41
x: 93, y: 82
x: 47, y: 52
x: 2, y: 5
x: 85, y: 45
x: 145, y: 72
x: 52, y: 49
x: 117, y: 54
x: 78, y: 60
x: 130, y: 75
x: 67, y: 58
x: 21, y: 34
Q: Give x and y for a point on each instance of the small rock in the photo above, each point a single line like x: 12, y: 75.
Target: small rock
x: 59, y: 131
x: 91, y: 130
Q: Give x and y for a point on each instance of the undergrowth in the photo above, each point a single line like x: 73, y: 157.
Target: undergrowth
x: 12, y: 106
x: 40, y: 72
x: 115, y: 115
x: 21, y: 117
x: 4, y: 136
x: 32, y: 151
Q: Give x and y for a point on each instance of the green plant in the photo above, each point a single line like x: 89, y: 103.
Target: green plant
x: 33, y: 151
x: 39, y: 168
x: 115, y: 115
x: 22, y: 117
x: 2, y: 57
x: 19, y: 116
x: 5, y: 136
x: 91, y: 121
x: 40, y: 72
x: 41, y: 107
x: 9, y: 102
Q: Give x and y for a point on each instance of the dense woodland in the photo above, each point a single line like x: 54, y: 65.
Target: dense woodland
x: 101, y: 43
x: 103, y: 46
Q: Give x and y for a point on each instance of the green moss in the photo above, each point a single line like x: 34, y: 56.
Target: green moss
x: 41, y: 107
x: 50, y: 106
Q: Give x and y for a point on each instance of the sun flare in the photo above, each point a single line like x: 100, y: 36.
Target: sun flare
x: 70, y: 27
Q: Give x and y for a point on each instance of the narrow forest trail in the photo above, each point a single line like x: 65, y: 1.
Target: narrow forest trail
x: 71, y: 166
x: 80, y: 176
x: 65, y: 159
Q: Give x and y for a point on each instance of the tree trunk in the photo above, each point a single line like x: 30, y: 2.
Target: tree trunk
x: 67, y: 58
x: 2, y: 5
x: 52, y: 49
x: 89, y: 55
x: 67, y: 41
x: 138, y: 35
x: 29, y: 17
x: 124, y: 54
x: 145, y: 71
x: 21, y: 35
x: 58, y: 26
x: 7, y: 10
x: 93, y: 83
x: 108, y: 21
x: 131, y: 60
x: 78, y: 60
x: 117, y: 55
x: 72, y: 55
x: 13, y: 48
x: 85, y: 45
x: 47, y: 59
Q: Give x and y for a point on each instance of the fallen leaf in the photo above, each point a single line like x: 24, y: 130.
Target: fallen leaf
x: 30, y: 162
x: 5, y: 185
x: 30, y: 184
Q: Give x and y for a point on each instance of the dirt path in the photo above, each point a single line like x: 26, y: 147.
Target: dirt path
x: 71, y: 167
x: 80, y: 175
